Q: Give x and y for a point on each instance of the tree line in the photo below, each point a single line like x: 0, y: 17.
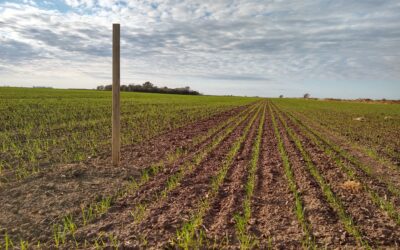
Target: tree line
x: 148, y: 87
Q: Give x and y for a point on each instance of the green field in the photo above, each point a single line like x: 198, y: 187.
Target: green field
x: 373, y: 126
x: 40, y: 127
x: 275, y: 173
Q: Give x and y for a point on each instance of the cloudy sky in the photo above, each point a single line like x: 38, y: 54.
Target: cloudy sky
x: 329, y: 48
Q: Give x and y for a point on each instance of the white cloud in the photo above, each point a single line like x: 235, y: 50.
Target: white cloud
x: 248, y: 42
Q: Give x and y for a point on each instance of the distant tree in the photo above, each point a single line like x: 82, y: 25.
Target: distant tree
x: 306, y: 95
x: 148, y: 85
x: 151, y: 88
x: 281, y: 96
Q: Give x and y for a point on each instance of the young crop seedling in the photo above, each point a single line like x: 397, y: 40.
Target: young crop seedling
x: 330, y: 196
x: 189, y: 236
x: 248, y: 241
x: 308, y: 239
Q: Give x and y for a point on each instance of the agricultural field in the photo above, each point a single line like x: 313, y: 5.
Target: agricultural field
x: 41, y: 127
x: 198, y: 172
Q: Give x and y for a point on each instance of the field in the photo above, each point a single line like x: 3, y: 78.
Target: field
x: 198, y: 172
x: 41, y: 127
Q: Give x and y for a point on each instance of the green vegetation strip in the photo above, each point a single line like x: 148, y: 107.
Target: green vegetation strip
x: 186, y: 237
x: 308, y: 239
x: 42, y: 127
x: 330, y: 151
x: 246, y: 239
x: 334, y: 202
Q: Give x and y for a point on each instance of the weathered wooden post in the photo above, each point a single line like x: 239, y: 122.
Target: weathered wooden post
x: 116, y: 126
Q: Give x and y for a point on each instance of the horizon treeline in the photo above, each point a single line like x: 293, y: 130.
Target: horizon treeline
x: 149, y: 87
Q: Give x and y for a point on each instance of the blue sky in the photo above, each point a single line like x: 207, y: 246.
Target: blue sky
x: 328, y: 48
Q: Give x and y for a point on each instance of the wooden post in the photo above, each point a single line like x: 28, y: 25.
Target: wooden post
x: 116, y: 126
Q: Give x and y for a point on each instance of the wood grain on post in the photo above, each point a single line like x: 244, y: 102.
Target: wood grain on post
x: 116, y: 126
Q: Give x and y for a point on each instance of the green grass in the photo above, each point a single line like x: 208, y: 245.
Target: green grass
x: 46, y: 126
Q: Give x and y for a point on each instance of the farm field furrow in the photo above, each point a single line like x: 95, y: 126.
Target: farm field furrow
x: 373, y: 129
x: 274, y: 218
x: 382, y: 191
x: 324, y: 227
x: 65, y: 184
x: 388, y: 176
x: 219, y: 221
x: 43, y: 127
x: 165, y: 213
x: 375, y: 226
x: 206, y: 173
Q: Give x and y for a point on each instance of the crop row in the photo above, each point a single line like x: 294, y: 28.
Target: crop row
x: 341, y: 157
x: 248, y: 241
x: 374, y: 128
x: 185, y: 168
x: 330, y: 196
x: 69, y: 223
x: 38, y: 132
x: 189, y: 235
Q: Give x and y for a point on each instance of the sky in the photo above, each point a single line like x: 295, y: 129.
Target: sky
x: 328, y: 48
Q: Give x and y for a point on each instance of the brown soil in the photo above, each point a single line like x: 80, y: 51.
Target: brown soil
x: 219, y: 222
x: 44, y: 199
x: 325, y: 224
x: 378, y: 229
x: 164, y: 216
x: 273, y: 203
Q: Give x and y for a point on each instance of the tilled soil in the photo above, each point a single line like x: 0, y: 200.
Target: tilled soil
x: 44, y: 199
x: 274, y: 220
x: 164, y: 215
x: 325, y: 225
x: 376, y: 226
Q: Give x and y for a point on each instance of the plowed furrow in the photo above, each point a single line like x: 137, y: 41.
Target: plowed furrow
x: 326, y: 227
x: 191, y: 233
x: 64, y: 189
x: 377, y: 227
x: 274, y: 221
x: 121, y: 214
x: 374, y: 166
x: 219, y: 222
x: 382, y: 192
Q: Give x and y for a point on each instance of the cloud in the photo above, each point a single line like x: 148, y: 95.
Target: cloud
x: 242, y: 41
